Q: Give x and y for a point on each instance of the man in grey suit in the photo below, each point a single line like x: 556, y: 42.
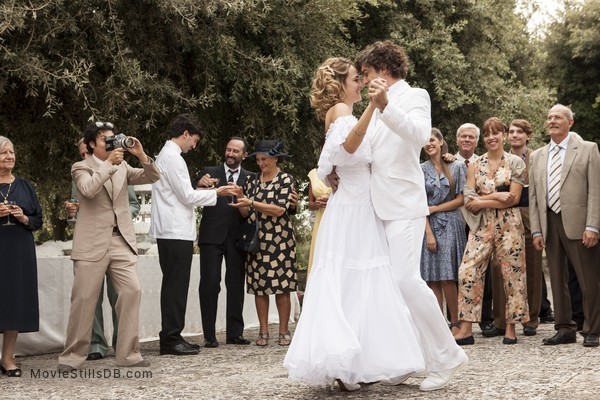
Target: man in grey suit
x: 104, y: 241
x: 564, y: 208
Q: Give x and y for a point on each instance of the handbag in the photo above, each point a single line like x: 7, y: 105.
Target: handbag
x: 247, y: 236
x: 524, y: 201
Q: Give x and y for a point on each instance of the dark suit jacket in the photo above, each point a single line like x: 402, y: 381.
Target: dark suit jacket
x: 221, y: 220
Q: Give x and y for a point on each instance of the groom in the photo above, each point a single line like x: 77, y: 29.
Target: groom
x: 398, y: 132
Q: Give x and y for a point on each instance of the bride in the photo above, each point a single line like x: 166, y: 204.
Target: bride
x: 354, y: 326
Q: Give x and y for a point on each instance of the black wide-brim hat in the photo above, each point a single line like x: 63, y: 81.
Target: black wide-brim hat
x: 272, y: 148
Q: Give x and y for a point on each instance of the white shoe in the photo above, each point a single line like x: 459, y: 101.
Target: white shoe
x: 397, y: 380
x: 348, y: 387
x: 437, y: 380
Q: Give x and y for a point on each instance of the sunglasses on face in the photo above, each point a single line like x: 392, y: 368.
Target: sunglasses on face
x: 108, y: 125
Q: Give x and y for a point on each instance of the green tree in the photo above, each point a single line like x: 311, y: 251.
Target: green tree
x: 573, y: 64
x: 243, y: 66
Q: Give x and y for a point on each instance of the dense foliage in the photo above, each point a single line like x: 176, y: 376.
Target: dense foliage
x: 244, y: 67
x: 573, y: 64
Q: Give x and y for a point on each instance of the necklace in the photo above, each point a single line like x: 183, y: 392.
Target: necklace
x: 5, y: 197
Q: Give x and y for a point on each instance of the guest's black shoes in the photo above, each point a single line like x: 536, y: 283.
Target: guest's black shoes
x: 560, y: 338
x: 237, y: 340
x: 591, y: 340
x: 192, y: 345
x: 507, y: 340
x: 492, y: 331
x: 94, y: 356
x: 180, y: 349
x: 529, y: 331
x: 211, y: 343
x: 465, y: 341
x: 547, y: 318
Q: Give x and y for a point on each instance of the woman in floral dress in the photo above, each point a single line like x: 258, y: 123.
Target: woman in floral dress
x: 492, y: 194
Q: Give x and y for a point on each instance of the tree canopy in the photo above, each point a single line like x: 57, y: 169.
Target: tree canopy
x: 572, y: 65
x: 245, y: 68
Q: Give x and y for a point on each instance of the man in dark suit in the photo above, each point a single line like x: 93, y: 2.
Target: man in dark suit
x: 216, y: 239
x: 564, y: 206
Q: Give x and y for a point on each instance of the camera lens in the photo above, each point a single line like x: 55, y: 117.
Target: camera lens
x: 129, y: 142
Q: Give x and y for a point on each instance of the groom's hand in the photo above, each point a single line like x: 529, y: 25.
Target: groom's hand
x: 378, y: 93
x: 334, y: 180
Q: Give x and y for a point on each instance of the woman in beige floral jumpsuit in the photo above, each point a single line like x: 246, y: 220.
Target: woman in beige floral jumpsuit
x: 492, y: 193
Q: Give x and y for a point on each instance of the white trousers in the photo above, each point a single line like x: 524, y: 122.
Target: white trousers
x: 405, y: 238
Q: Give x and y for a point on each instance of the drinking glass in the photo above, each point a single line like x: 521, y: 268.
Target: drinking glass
x: 10, y: 204
x: 70, y: 203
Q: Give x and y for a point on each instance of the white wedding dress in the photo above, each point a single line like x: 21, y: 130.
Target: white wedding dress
x: 354, y: 324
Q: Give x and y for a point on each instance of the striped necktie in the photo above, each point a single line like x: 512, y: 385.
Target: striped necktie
x: 554, y: 181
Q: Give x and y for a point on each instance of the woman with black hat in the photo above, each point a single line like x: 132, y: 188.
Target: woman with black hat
x: 272, y: 269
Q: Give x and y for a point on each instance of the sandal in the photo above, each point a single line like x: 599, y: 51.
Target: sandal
x: 455, y: 325
x: 285, y: 338
x: 263, y: 339
x: 12, y: 373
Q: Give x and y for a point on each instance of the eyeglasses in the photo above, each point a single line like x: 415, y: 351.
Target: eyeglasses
x: 108, y: 125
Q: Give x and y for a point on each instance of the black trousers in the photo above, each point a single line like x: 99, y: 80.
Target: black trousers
x: 211, y: 260
x: 546, y: 307
x: 175, y: 258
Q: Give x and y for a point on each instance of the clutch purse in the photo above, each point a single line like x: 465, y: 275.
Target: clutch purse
x: 524, y: 201
x: 247, y: 237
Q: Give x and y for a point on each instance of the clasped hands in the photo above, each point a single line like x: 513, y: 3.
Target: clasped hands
x: 13, y: 210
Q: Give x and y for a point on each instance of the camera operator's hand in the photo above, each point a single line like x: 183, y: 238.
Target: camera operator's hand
x: 116, y: 156
x: 138, y: 150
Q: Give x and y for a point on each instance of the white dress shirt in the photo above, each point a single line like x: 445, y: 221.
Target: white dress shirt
x: 174, y: 199
x: 462, y: 159
x: 236, y: 174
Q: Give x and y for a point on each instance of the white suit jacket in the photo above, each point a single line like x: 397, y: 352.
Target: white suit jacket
x: 397, y: 137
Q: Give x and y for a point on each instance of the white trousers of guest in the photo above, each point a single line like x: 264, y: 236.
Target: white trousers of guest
x: 405, y: 238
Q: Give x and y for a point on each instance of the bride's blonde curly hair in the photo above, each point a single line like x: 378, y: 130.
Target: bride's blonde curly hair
x: 328, y: 84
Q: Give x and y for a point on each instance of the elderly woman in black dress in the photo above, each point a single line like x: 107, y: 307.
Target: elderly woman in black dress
x: 20, y: 214
x: 271, y: 270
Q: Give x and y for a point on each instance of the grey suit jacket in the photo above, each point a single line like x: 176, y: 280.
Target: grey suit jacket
x: 579, y: 188
x: 104, y: 203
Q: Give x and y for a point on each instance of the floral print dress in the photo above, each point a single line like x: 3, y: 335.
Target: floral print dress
x: 502, y: 233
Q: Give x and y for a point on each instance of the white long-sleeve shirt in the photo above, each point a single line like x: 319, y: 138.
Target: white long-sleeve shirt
x: 174, y: 199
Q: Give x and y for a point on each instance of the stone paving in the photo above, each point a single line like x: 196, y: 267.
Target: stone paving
x: 526, y: 370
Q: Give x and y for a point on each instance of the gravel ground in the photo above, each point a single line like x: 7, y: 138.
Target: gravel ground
x: 526, y: 370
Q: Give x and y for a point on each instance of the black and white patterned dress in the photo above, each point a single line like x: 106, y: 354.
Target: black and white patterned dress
x: 272, y: 270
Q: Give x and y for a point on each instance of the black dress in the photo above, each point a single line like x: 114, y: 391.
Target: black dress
x: 19, y: 309
x: 272, y: 270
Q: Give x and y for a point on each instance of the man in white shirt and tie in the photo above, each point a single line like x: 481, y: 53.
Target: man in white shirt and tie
x: 174, y: 228
x: 564, y: 208
x: 467, y: 137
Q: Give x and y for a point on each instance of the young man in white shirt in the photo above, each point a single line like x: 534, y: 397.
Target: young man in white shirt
x: 174, y: 228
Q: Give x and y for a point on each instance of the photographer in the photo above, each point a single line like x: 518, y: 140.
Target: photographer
x: 104, y: 241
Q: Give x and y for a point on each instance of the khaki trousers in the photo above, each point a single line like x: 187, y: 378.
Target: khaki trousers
x: 121, y: 265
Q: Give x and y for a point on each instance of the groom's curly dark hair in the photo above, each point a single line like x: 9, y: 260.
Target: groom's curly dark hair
x: 384, y: 55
